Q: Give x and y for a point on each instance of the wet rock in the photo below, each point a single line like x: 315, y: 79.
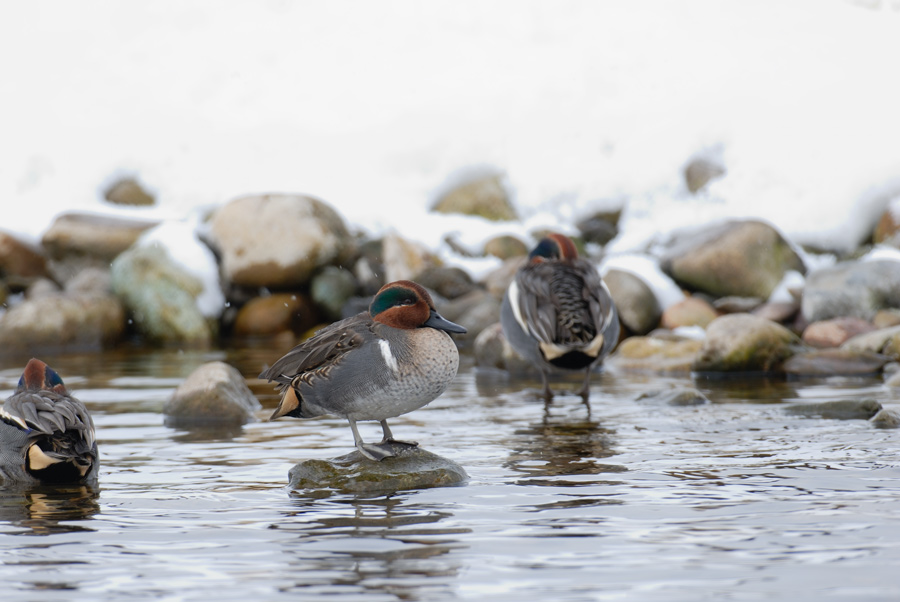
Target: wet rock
x: 886, y: 418
x: 745, y: 343
x: 834, y: 332
x: 492, y: 350
x: 331, y: 288
x: 20, y: 262
x: 854, y: 288
x: 160, y: 295
x: 885, y: 340
x: 99, y: 237
x: 636, y: 303
x: 128, y: 191
x: 655, y: 354
x: 690, y: 311
x: 447, y: 282
x: 277, y: 240
x: 481, y: 194
x: 505, y: 247
x: 474, y: 311
x: 843, y: 409
x: 411, y: 468
x: 213, y: 393
x: 676, y: 396
x: 829, y: 362
x: 405, y: 259
x: 742, y: 258
x: 699, y: 171
x: 600, y: 228
x: 274, y: 314
x: 84, y: 316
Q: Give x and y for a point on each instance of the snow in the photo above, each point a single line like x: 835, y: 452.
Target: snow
x: 375, y: 107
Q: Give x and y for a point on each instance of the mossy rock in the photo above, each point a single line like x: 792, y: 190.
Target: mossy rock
x: 411, y: 468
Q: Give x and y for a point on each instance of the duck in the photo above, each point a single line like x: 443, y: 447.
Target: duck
x: 47, y: 436
x: 558, y: 313
x: 390, y: 360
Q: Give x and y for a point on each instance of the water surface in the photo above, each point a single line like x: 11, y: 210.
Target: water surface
x: 629, y: 498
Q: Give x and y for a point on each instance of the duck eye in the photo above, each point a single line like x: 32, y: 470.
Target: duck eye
x: 408, y: 301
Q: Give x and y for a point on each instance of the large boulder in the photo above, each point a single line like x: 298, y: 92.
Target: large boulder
x: 161, y: 296
x: 745, y: 343
x: 277, y: 240
x: 638, y: 307
x: 276, y: 313
x: 854, y: 288
x: 101, y: 237
x: 745, y: 258
x: 481, y: 194
x: 663, y: 353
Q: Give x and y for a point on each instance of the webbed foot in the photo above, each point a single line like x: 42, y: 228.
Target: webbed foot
x: 375, y: 451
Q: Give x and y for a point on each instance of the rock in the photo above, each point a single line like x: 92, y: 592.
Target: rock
x: 843, y: 409
x: 886, y: 418
x: 213, y: 393
x: 885, y: 340
x: 369, y: 267
x: 98, y: 237
x: 745, y: 343
x: 505, y: 247
x: 20, y: 262
x: 742, y: 258
x: 601, y: 227
x: 676, y: 396
x: 655, y: 354
x: 492, y: 350
x: 736, y: 305
x: 854, y: 288
x: 405, y: 259
x: 833, y: 362
x: 274, y: 314
x: 277, y: 240
x: 699, y: 171
x: 894, y: 380
x: 834, y: 332
x: 690, y: 311
x: 128, y: 191
x: 635, y: 301
x: 478, y: 194
x: 475, y: 312
x: 447, y: 282
x: 331, y: 288
x: 777, y: 311
x: 888, y: 228
x: 160, y: 295
x: 411, y: 468
x: 885, y: 318
x: 497, y: 281
x: 85, y: 316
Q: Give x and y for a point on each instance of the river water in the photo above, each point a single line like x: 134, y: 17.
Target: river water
x: 628, y: 499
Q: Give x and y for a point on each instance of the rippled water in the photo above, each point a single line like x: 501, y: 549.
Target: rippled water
x: 630, y: 499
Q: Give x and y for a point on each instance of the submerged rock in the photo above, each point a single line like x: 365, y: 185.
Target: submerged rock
x: 411, y: 468
x: 887, y: 418
x: 676, y: 396
x: 843, y: 409
x: 214, y: 393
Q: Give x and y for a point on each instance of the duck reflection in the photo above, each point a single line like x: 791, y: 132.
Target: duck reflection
x: 373, y: 544
x: 46, y: 510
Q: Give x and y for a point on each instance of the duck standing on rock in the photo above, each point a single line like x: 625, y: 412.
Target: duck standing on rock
x: 378, y: 364
x: 46, y: 435
x: 558, y: 313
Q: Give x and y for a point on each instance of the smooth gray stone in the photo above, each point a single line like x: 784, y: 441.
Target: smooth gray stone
x: 843, y: 409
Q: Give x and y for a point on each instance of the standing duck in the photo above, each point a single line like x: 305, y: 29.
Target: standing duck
x: 378, y: 364
x: 46, y: 435
x: 558, y: 313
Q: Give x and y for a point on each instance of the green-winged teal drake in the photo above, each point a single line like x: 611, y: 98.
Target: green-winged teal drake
x: 46, y: 435
x: 558, y: 313
x: 376, y: 365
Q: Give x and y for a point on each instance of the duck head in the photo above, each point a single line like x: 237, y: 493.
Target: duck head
x: 38, y: 376
x: 553, y: 247
x: 406, y: 305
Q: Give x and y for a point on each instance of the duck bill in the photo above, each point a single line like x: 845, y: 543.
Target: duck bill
x: 436, y: 321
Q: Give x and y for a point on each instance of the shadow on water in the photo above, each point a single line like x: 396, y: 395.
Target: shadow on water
x: 367, y: 545
x: 45, y: 510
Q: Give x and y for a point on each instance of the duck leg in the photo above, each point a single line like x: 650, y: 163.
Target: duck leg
x: 585, y: 391
x: 389, y: 437
x: 372, y: 451
x: 547, y: 393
